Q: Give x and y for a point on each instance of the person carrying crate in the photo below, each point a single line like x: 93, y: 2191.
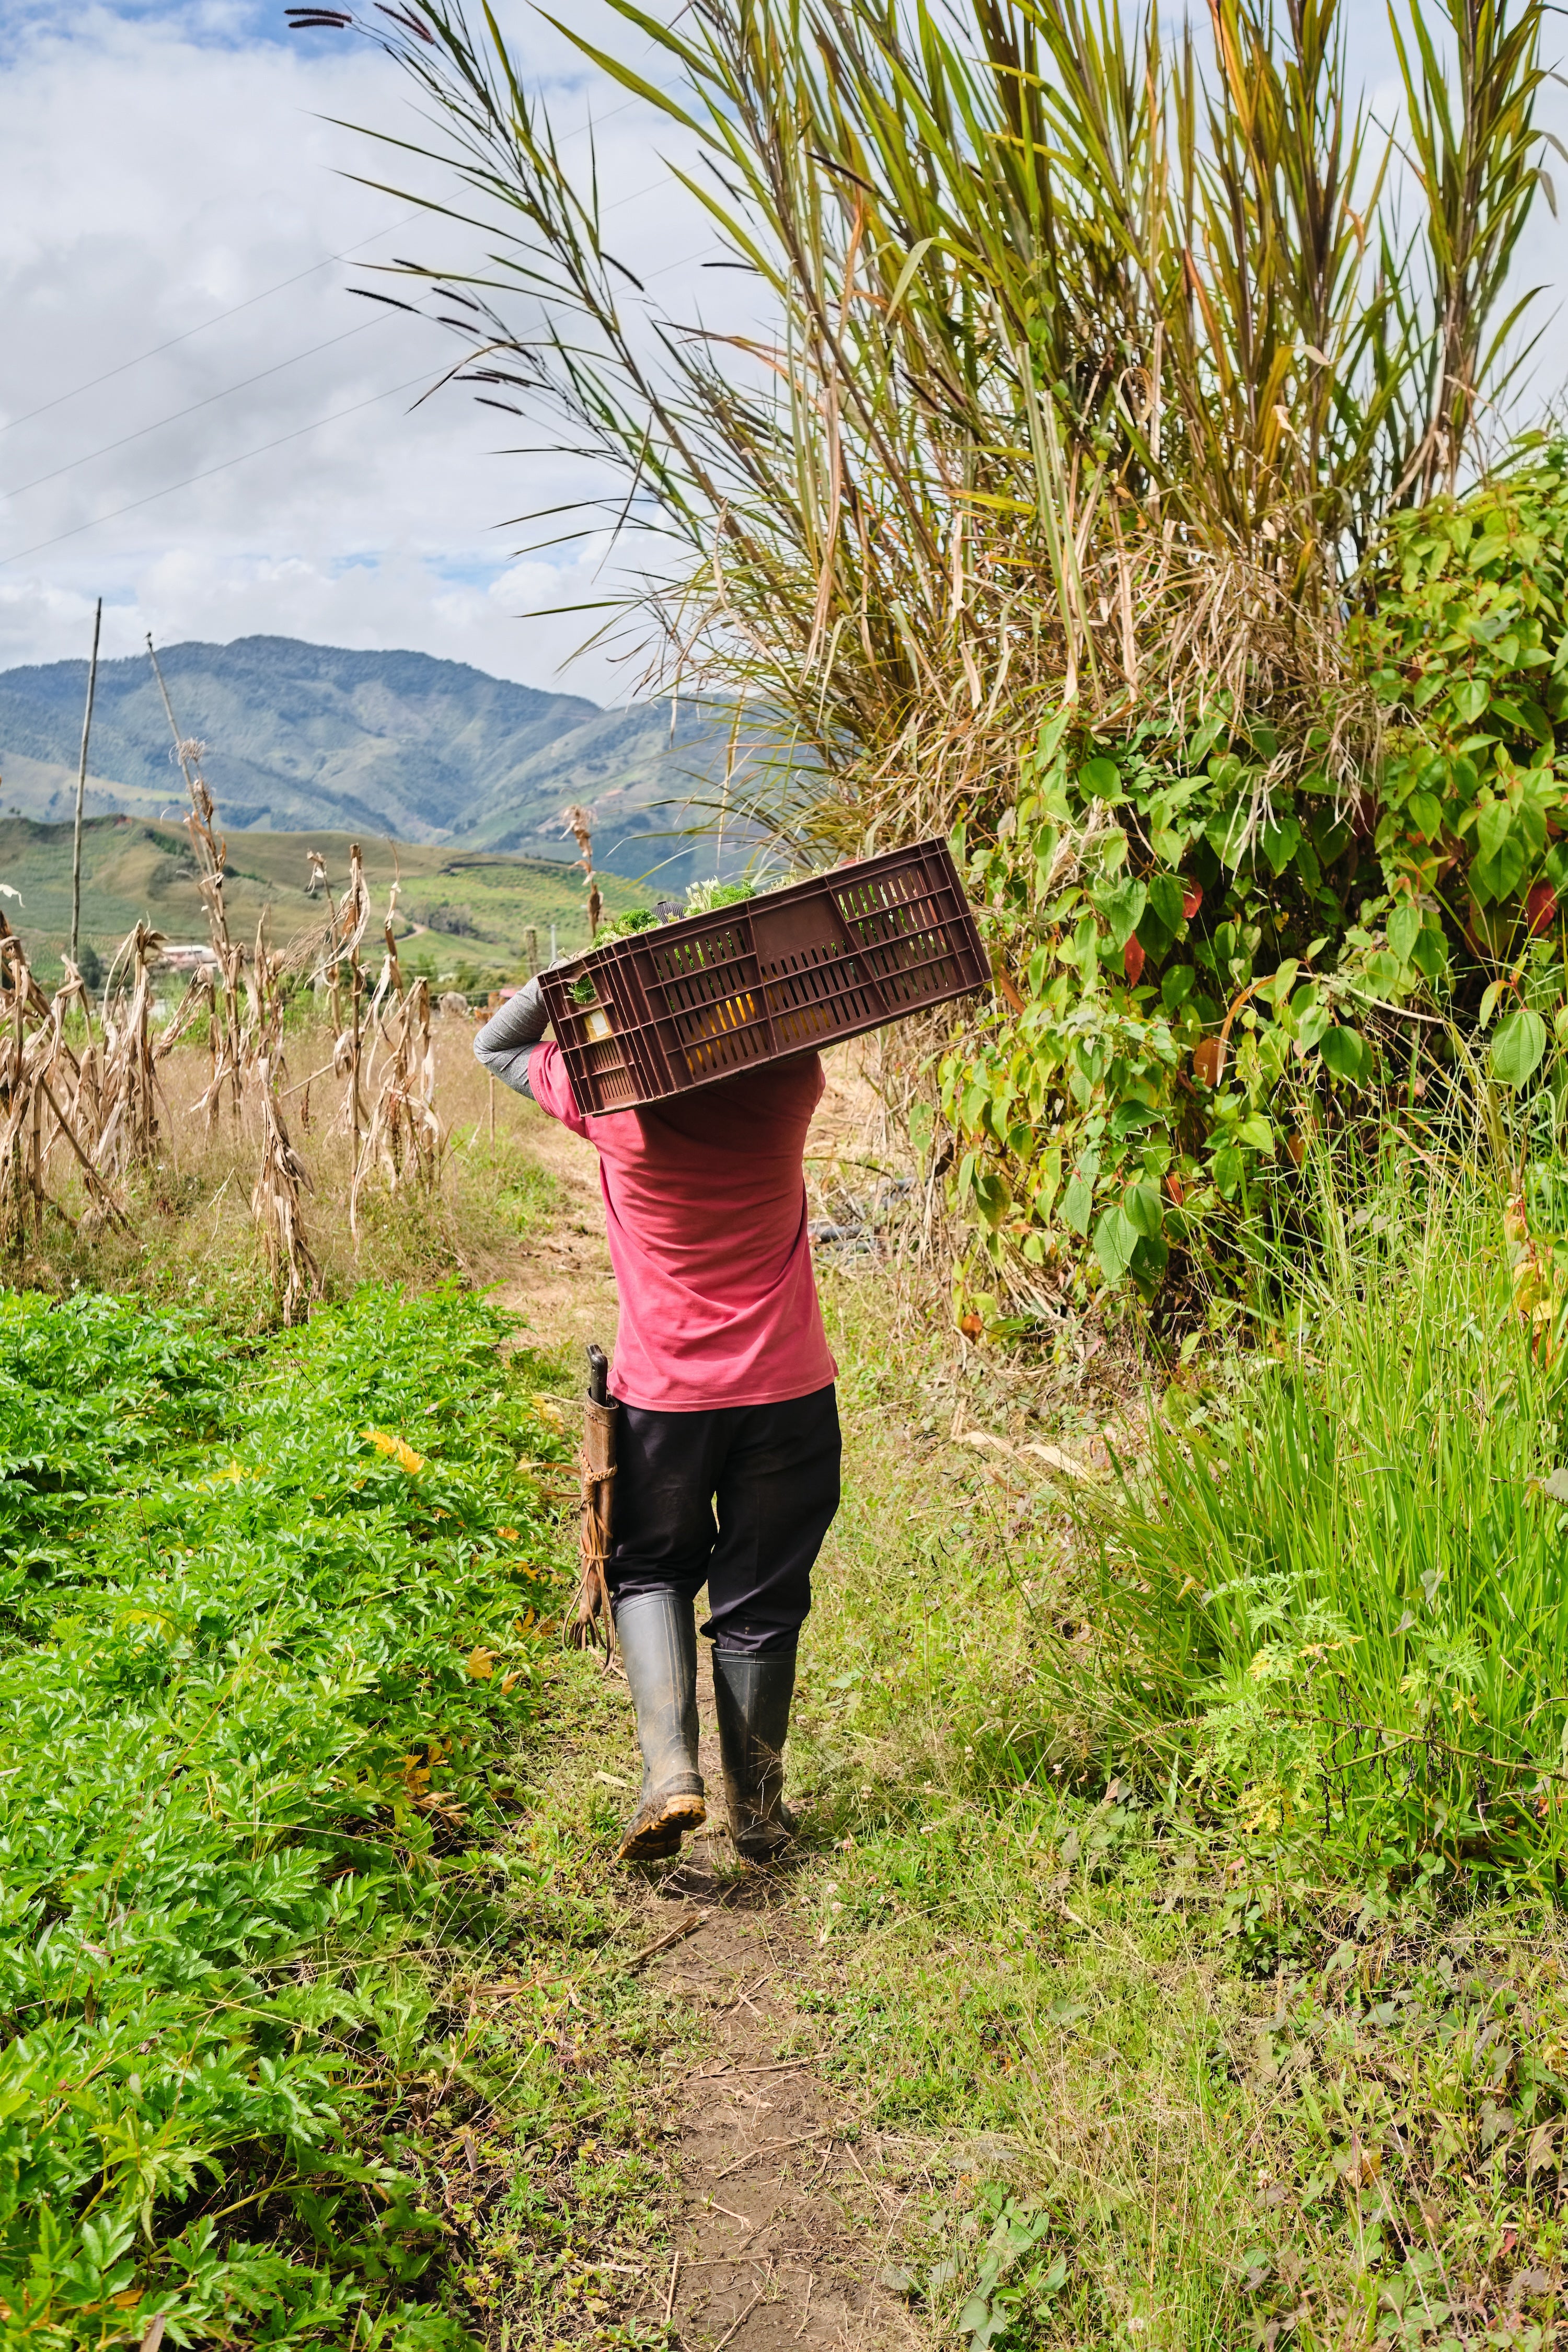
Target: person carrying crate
x: 728, y: 1460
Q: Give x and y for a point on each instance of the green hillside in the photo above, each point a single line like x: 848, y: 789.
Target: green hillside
x: 300, y: 737
x: 459, y: 912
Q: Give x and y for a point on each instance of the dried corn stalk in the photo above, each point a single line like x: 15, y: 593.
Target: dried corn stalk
x: 83, y: 1096
x: 37, y: 1072
x: 211, y: 858
x: 403, y: 1139
x: 276, y: 1203
x: 580, y: 825
x: 329, y: 954
x: 128, y: 1135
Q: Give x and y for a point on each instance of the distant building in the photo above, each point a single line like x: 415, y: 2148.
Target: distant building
x: 175, y: 957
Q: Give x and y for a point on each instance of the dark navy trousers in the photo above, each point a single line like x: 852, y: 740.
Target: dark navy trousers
x: 738, y: 1498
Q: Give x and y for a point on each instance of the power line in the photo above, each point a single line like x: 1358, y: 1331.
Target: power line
x: 174, y: 418
x: 207, y: 472
x: 217, y: 320
x: 282, y: 284
x: 142, y: 432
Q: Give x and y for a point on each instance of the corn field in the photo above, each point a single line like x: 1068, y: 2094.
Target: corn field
x: 83, y: 1106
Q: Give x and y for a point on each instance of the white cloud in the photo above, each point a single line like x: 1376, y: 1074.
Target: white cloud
x: 156, y: 171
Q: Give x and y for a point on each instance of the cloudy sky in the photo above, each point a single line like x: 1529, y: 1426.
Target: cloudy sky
x: 200, y: 423
x: 178, y: 236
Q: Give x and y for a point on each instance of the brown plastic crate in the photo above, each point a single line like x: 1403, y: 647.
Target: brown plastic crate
x: 692, y: 1001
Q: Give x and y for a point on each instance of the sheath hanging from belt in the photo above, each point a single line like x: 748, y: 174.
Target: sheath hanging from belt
x: 591, y: 1622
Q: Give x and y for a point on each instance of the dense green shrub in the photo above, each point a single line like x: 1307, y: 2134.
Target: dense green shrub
x: 256, y: 1648
x: 1214, y: 930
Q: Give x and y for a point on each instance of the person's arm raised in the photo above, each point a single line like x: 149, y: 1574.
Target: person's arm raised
x: 506, y: 1043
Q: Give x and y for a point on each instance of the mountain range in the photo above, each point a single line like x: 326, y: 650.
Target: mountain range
x: 306, y: 737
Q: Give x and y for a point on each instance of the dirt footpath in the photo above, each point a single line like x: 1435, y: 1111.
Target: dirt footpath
x: 780, y: 2220
x: 780, y: 2224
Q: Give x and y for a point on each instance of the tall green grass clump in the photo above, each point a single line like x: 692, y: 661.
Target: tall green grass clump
x: 1334, y: 1600
x: 257, y: 1646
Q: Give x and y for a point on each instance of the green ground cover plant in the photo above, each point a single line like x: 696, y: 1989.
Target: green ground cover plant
x: 1329, y: 1600
x: 269, y: 1618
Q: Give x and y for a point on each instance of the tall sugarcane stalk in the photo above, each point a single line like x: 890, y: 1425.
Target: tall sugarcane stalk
x: 1092, y: 362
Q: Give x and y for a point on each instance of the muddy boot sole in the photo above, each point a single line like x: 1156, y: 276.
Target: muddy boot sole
x: 656, y: 1828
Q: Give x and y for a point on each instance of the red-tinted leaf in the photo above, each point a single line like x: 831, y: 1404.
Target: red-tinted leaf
x: 1540, y: 908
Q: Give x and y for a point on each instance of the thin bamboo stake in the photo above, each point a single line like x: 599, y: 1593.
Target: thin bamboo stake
x: 212, y: 854
x: 81, y: 781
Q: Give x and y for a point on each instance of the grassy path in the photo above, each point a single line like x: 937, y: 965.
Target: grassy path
x: 767, y: 2227
x: 775, y: 2222
x: 1091, y: 2072
x: 931, y: 1954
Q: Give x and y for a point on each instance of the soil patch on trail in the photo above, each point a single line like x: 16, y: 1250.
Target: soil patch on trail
x: 777, y: 2210
x: 780, y: 2222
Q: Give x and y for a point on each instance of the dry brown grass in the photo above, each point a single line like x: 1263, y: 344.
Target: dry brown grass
x: 190, y: 1221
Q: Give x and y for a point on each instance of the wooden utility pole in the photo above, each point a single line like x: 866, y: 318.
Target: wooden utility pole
x: 81, y: 781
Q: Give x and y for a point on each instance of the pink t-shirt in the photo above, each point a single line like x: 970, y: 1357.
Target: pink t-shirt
x: 705, y: 1202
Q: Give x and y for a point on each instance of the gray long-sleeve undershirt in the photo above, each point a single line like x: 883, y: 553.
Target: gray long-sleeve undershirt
x: 506, y: 1043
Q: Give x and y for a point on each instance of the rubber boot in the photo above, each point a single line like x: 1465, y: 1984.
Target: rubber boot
x: 658, y: 1636
x: 752, y: 1696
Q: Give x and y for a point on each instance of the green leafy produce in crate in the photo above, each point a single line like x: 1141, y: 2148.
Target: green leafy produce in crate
x: 702, y: 899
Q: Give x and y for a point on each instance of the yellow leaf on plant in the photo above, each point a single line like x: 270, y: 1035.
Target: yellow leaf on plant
x: 550, y: 1412
x: 481, y: 1665
x: 506, y: 1534
x: 396, y: 1449
x: 508, y: 1681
